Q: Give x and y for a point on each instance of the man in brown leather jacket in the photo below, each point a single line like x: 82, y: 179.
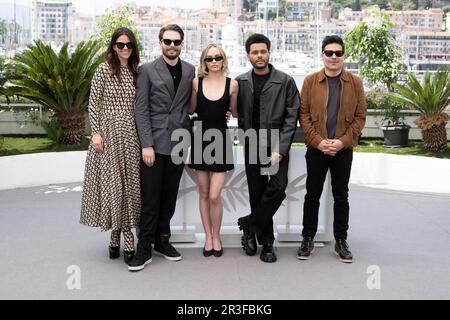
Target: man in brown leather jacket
x: 332, y: 115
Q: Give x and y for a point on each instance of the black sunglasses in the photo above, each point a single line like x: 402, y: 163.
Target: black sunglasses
x: 211, y: 59
x: 168, y: 42
x: 329, y: 53
x: 122, y: 45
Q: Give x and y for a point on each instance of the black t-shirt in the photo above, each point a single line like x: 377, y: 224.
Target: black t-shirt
x: 176, y: 73
x: 259, y: 82
x: 334, y: 102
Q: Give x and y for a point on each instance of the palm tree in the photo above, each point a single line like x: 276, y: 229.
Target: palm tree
x: 3, y: 80
x: 430, y: 98
x: 60, y: 82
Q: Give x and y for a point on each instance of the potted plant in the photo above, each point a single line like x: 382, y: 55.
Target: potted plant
x: 430, y: 98
x: 373, y: 45
x: 395, y: 130
x: 58, y: 81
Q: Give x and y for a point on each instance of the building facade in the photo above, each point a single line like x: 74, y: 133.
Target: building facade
x: 49, y: 20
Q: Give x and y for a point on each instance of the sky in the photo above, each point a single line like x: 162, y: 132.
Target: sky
x: 99, y: 6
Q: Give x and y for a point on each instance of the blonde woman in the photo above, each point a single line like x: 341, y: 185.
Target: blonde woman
x: 213, y: 95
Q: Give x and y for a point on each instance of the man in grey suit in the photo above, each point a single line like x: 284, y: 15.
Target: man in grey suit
x: 163, y: 92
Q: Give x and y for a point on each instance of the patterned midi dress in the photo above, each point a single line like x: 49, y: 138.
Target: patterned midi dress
x: 111, y: 191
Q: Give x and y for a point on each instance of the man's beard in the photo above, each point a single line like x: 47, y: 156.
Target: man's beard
x: 260, y: 67
x: 171, y: 57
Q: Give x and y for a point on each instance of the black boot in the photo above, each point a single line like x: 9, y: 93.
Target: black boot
x: 306, y: 249
x: 114, y: 252
x: 342, y: 250
x: 268, y: 253
x: 248, y: 239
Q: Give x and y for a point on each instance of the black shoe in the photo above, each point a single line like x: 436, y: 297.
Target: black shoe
x: 142, y: 257
x: 165, y: 249
x: 208, y: 253
x: 268, y: 253
x: 128, y: 256
x: 342, y: 250
x: 114, y: 252
x: 218, y: 253
x: 306, y: 249
x: 248, y: 239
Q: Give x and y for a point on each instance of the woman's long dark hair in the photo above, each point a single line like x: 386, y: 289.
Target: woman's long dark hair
x: 113, y: 59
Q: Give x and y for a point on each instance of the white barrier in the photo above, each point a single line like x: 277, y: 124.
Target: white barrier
x: 37, y: 169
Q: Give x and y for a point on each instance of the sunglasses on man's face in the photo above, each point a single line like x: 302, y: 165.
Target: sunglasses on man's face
x: 329, y: 53
x: 122, y: 45
x: 168, y: 42
x: 211, y: 59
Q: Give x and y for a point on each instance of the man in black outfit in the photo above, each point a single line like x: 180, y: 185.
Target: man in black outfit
x: 268, y: 102
x: 163, y: 92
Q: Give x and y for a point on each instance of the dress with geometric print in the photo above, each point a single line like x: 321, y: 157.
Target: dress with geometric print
x: 111, y: 190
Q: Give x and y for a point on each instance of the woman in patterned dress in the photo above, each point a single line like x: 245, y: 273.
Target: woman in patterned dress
x: 213, y: 95
x: 111, y: 192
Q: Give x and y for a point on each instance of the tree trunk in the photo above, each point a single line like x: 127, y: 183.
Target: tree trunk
x: 435, y: 138
x: 434, y: 134
x: 73, y: 127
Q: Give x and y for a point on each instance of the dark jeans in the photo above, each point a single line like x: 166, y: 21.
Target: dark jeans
x: 159, y: 190
x: 317, y: 165
x: 266, y: 195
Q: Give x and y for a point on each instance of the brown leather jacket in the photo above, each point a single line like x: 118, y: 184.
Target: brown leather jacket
x: 313, y: 110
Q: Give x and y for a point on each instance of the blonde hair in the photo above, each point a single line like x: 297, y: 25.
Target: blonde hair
x: 203, y: 69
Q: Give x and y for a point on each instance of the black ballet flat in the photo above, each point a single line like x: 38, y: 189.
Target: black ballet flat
x: 114, y: 252
x: 208, y: 253
x: 128, y: 256
x: 218, y: 253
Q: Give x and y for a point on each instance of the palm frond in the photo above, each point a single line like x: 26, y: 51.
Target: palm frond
x: 429, y: 97
x: 60, y: 81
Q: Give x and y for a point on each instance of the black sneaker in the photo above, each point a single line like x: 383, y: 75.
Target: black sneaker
x: 306, y: 249
x: 142, y: 257
x: 342, y: 250
x: 248, y: 239
x: 268, y: 253
x: 165, y: 249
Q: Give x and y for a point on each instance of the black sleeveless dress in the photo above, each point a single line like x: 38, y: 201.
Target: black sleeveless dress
x: 212, y: 115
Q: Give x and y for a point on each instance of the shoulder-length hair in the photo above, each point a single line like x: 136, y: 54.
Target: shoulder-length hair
x: 113, y: 59
x: 203, y: 69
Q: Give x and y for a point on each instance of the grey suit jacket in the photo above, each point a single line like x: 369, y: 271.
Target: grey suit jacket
x: 158, y: 110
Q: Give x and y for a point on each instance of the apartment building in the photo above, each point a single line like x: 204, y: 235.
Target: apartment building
x: 49, y: 20
x: 301, y: 10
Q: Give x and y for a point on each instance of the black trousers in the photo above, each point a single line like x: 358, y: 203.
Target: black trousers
x: 159, y: 190
x: 266, y: 195
x: 317, y: 165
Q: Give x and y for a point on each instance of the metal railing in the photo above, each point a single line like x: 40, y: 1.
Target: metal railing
x: 22, y: 106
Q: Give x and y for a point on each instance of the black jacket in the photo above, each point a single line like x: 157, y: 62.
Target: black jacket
x: 279, y: 106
